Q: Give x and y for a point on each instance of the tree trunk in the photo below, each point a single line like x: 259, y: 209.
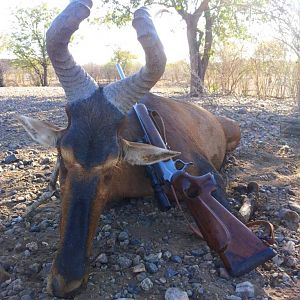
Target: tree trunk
x: 298, y: 85
x: 207, y: 44
x: 196, y: 87
x: 45, y: 75
x: 298, y: 95
x: 198, y: 62
x: 1, y: 78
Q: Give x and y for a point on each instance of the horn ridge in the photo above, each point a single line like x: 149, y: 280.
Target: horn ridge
x: 124, y: 93
x: 76, y: 82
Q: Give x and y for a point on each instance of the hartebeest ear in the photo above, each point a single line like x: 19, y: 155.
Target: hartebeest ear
x: 42, y: 132
x: 144, y: 154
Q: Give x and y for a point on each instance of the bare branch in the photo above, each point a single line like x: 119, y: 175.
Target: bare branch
x: 202, y: 7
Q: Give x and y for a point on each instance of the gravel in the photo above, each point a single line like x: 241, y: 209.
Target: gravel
x: 3, y: 275
x: 124, y: 262
x: 141, y: 252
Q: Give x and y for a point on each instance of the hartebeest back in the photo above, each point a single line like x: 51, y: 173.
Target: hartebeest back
x: 100, y: 157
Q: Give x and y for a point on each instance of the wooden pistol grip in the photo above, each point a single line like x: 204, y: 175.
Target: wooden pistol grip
x: 239, y: 248
x: 198, y: 200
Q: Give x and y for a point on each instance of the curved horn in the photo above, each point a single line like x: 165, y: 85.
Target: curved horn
x: 124, y: 93
x: 76, y: 83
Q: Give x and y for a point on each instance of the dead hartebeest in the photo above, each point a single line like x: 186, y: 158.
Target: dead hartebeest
x: 100, y: 156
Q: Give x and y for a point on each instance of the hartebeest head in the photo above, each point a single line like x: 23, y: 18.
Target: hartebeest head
x: 90, y: 147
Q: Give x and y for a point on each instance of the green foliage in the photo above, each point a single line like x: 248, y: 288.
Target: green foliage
x: 232, y: 17
x: 119, y: 12
x: 4, y: 44
x: 124, y: 58
x: 270, y: 51
x: 28, y: 41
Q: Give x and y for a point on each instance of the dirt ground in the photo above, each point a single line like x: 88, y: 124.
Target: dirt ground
x: 136, y: 232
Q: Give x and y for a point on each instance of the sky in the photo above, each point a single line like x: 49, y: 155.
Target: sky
x: 97, y: 43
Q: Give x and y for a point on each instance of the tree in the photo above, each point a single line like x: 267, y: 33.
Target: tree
x: 204, y: 19
x: 285, y: 15
x: 4, y: 66
x: 124, y: 58
x: 3, y: 43
x: 228, y: 68
x: 269, y: 62
x: 28, y: 41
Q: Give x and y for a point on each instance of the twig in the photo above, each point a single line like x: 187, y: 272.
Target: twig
x: 47, y: 194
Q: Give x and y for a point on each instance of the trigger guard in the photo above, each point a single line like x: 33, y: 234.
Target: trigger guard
x: 185, y: 165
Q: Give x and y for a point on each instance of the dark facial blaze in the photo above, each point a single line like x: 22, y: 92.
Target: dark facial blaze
x: 92, y: 131
x: 71, y: 259
x: 88, y: 146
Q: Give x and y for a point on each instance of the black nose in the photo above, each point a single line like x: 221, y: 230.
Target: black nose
x: 58, y: 290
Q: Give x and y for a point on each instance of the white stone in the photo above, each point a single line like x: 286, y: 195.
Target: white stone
x: 102, y: 258
x: 290, y: 247
x: 233, y: 297
x: 153, y: 257
x: 146, y: 284
x: 245, y: 289
x: 32, y: 246
x: 139, y: 268
x: 176, y: 294
x: 277, y: 260
x: 286, y: 278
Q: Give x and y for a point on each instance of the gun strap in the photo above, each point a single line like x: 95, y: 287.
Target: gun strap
x: 155, y: 117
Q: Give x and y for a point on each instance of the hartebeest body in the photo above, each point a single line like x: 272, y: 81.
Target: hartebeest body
x: 100, y: 156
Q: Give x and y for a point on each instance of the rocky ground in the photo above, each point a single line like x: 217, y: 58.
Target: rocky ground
x: 140, y: 252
